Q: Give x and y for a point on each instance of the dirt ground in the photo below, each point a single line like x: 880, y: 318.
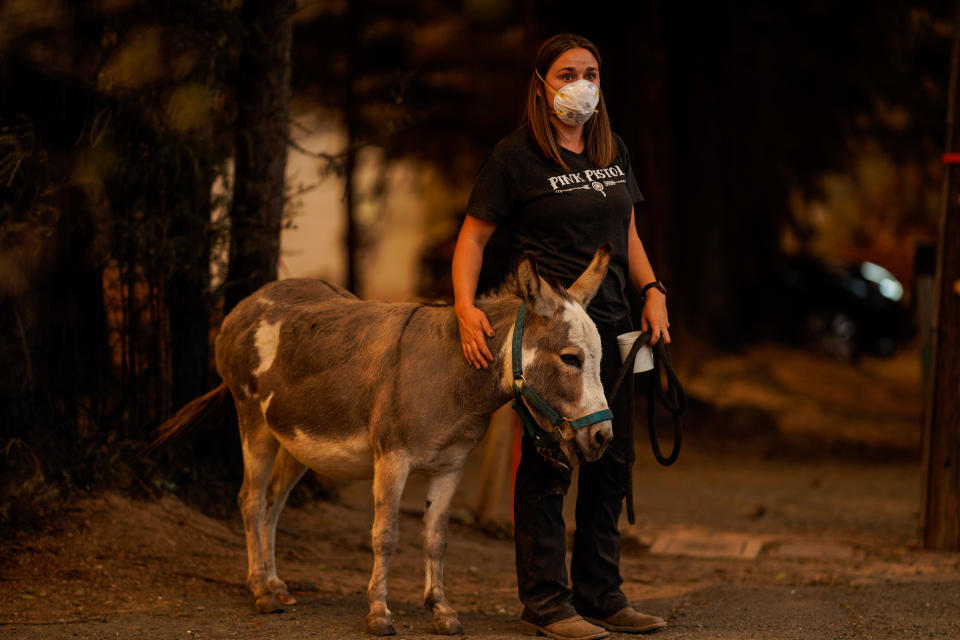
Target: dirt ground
x: 791, y: 514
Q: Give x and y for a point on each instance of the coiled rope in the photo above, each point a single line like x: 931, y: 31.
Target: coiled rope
x: 673, y: 398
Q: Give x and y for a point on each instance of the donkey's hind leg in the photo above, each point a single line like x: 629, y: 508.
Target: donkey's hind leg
x: 287, y: 471
x: 390, y: 473
x: 439, y: 494
x: 259, y: 452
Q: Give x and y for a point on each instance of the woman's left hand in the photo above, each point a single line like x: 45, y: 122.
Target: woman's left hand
x: 654, y: 316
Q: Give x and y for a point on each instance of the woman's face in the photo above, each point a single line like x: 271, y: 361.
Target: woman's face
x: 572, y: 65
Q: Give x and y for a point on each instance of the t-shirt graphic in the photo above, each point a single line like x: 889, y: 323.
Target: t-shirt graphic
x: 596, y: 179
x: 561, y: 215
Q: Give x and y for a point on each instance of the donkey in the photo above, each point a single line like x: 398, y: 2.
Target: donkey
x: 354, y: 389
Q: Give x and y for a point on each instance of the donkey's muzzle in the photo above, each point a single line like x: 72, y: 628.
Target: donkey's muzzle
x: 593, y: 446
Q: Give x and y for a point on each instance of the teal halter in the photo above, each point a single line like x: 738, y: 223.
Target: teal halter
x: 565, y: 428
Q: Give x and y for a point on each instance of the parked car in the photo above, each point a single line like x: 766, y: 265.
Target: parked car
x: 844, y: 311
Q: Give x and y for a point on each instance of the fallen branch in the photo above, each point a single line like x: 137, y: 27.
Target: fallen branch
x: 48, y: 622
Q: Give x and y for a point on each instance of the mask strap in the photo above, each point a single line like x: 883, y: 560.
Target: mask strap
x: 547, y: 85
x: 554, y: 90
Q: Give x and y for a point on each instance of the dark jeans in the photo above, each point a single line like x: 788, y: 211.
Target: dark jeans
x: 539, y: 531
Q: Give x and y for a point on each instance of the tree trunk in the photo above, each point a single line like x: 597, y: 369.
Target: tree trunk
x: 941, y: 433
x: 263, y: 96
x: 352, y: 231
x: 186, y: 295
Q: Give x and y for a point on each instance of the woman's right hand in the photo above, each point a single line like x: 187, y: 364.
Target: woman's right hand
x: 474, y: 330
x: 467, y: 260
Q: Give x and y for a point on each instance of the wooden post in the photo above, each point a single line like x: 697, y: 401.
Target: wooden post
x: 941, y: 433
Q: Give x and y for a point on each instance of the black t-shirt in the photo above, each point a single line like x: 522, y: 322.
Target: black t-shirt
x: 562, y: 216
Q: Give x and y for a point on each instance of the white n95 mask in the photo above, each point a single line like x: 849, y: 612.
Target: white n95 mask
x: 574, y: 103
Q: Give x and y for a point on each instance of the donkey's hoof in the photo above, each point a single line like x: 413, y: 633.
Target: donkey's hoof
x: 283, y: 596
x: 279, y: 589
x: 447, y: 625
x: 268, y: 603
x: 380, y: 626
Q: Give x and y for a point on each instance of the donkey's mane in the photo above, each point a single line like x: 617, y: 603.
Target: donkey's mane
x: 510, y: 288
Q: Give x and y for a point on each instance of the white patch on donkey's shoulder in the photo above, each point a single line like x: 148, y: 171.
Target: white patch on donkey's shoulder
x: 267, y: 342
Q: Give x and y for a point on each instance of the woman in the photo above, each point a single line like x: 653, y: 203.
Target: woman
x: 560, y: 186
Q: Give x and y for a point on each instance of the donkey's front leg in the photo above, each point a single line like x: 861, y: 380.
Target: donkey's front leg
x: 389, y: 476
x: 435, y: 518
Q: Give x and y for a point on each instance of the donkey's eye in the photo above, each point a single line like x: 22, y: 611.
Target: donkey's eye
x: 570, y: 359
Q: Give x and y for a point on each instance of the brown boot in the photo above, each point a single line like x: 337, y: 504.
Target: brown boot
x: 572, y: 628
x: 629, y: 620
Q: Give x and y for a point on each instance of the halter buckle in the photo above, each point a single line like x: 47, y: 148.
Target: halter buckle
x: 571, y: 433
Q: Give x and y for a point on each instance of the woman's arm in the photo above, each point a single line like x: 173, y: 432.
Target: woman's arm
x: 467, y: 260
x: 654, y: 315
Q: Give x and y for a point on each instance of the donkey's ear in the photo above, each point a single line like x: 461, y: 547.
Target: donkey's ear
x: 589, y: 281
x: 540, y: 297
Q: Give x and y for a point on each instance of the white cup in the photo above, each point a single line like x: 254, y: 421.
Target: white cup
x: 644, y: 360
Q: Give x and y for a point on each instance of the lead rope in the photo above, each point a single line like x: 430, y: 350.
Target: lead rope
x: 674, y: 400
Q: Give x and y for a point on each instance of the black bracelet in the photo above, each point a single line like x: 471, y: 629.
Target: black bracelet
x: 656, y: 284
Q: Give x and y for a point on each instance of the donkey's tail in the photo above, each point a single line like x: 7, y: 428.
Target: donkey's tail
x: 197, y: 410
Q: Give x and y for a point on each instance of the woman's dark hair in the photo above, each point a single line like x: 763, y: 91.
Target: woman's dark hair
x: 598, y: 139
